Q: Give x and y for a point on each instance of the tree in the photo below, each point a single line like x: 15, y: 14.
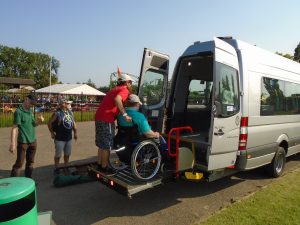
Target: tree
x: 91, y: 83
x: 104, y: 89
x: 285, y: 55
x: 18, y: 63
x: 297, y: 53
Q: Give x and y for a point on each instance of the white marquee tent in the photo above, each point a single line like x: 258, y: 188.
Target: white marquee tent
x: 71, y: 89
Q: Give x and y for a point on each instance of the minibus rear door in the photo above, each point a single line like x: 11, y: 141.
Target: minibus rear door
x: 152, y: 87
x: 224, y: 136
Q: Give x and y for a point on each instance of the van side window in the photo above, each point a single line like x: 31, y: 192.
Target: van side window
x: 279, y: 97
x: 226, y: 90
x: 292, y: 95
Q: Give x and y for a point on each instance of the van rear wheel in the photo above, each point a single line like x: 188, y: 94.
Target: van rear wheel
x: 276, y: 167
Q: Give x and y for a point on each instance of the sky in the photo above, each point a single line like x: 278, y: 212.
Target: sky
x: 92, y: 38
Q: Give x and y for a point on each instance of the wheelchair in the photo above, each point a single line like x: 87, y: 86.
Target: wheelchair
x: 141, y: 154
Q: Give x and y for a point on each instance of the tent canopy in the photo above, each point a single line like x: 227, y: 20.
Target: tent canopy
x: 71, y: 89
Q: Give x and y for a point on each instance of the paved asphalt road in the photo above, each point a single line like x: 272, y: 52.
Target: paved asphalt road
x: 175, y: 203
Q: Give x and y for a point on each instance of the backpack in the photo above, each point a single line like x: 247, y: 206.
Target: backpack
x: 59, y: 117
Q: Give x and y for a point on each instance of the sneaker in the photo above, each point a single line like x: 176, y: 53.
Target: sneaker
x: 107, y: 171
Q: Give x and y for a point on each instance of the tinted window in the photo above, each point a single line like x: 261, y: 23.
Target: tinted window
x: 226, y: 90
x: 292, y: 95
x: 279, y: 97
x: 152, y: 87
x: 272, y: 97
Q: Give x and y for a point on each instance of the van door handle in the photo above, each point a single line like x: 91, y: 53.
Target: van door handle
x: 219, y: 133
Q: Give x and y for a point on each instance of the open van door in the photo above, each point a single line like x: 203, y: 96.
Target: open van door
x: 152, y: 88
x: 226, y: 116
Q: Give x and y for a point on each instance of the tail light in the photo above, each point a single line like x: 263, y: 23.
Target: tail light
x: 243, y: 134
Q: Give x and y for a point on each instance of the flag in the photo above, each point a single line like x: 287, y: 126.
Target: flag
x: 119, y: 72
x: 53, y: 67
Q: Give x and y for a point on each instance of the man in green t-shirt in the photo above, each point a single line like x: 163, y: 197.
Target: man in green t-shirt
x: 25, y: 145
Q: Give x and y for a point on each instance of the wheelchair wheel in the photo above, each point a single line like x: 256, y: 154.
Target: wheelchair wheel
x: 145, y: 160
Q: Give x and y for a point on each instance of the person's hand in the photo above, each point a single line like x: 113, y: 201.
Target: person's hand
x: 128, y: 118
x: 52, y: 135
x: 156, y: 134
x: 75, y: 136
x: 40, y: 119
x: 12, y: 148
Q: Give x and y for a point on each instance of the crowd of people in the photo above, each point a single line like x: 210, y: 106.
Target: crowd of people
x: 46, y: 102
x: 62, y: 127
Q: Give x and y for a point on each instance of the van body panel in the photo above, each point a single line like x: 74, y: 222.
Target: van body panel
x: 272, y: 133
x: 225, y: 53
x: 221, y: 160
x: 224, y: 128
x: 262, y: 150
x: 294, y: 148
x: 247, y: 164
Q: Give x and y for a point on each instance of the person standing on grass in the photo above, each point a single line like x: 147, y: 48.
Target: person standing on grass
x: 23, y: 137
x: 109, y: 109
x: 61, y: 125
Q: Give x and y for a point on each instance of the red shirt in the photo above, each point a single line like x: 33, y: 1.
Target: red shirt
x: 107, y: 110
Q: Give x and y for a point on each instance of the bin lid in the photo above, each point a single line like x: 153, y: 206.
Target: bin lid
x: 15, y: 188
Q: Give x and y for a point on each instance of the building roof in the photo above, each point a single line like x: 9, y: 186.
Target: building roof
x: 23, y: 89
x: 10, y: 80
x: 72, y: 89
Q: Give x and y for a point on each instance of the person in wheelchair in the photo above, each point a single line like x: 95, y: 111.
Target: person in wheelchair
x: 139, y: 140
x: 138, y: 118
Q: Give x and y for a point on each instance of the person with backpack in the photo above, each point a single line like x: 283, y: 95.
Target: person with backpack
x: 61, y: 125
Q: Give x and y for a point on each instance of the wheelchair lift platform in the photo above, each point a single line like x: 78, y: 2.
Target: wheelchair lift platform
x: 125, y: 183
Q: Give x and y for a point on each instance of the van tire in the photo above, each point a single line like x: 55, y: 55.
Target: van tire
x: 276, y: 167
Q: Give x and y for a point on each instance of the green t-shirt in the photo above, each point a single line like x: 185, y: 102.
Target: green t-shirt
x: 26, y: 124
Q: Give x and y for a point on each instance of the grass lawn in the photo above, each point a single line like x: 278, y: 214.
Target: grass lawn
x: 276, y: 204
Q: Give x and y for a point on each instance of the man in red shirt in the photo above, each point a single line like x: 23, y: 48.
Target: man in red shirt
x: 108, y: 110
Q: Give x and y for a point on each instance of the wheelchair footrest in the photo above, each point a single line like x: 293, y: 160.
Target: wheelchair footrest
x: 193, y: 175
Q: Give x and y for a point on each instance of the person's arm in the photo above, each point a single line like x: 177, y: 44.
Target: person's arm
x: 151, y: 134
x: 119, y: 104
x: 145, y: 128
x: 13, y: 138
x: 75, y: 130
x: 52, y: 119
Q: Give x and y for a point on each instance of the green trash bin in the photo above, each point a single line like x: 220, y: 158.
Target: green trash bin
x: 17, y: 201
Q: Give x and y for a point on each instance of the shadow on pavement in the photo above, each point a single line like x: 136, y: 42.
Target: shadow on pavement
x: 93, y: 202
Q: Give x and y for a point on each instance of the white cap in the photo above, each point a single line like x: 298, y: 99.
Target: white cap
x: 134, y: 99
x: 63, y: 100
x: 125, y: 77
